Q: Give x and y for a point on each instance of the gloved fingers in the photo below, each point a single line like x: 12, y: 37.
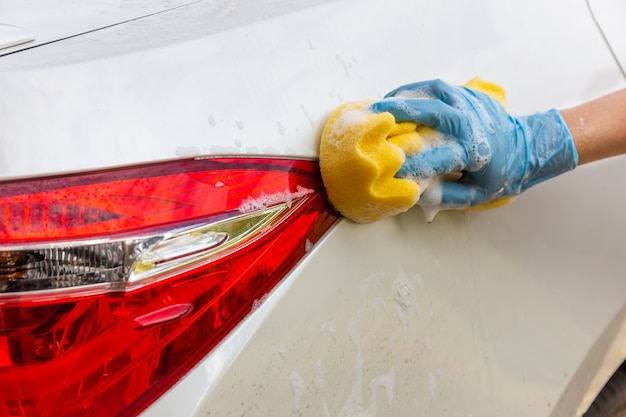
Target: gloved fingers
x: 433, y: 113
x: 434, y: 89
x: 453, y: 195
x: 432, y: 162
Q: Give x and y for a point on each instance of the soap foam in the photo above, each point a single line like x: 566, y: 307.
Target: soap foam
x: 423, y: 91
x: 477, y: 138
x: 431, y: 199
x: 348, y: 122
x: 297, y: 386
x: 431, y: 385
x: 267, y: 200
x: 318, y: 379
x: 329, y: 328
x: 387, y: 382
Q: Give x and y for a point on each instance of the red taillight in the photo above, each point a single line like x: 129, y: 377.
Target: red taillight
x: 114, y: 284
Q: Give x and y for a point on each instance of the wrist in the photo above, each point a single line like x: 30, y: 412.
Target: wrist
x: 550, y: 147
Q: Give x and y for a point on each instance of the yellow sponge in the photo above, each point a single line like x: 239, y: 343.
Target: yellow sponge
x: 361, y: 151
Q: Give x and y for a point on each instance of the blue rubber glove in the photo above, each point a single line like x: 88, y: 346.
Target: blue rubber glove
x: 498, y: 154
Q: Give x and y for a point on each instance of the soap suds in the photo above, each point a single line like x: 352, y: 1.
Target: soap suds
x: 403, y: 293
x: 252, y: 150
x: 271, y: 150
x: 354, y: 332
x: 478, y: 137
x: 349, y: 121
x: 281, y: 351
x: 258, y: 302
x: 187, y: 151
x: 297, y: 385
x: 357, y: 403
x: 267, y: 200
x: 367, y: 283
x: 325, y: 410
x: 417, y: 92
x: 225, y: 150
x: 478, y: 150
x: 431, y: 385
x: 386, y: 381
x: 329, y: 328
x: 318, y: 379
x: 400, y: 315
x: 430, y: 200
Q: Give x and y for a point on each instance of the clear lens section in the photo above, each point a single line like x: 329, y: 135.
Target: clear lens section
x: 189, y: 247
x: 63, y: 266
x: 66, y: 265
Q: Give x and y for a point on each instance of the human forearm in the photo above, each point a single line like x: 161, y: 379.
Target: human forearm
x: 598, y: 127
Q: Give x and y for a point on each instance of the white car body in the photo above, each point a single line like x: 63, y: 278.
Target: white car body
x: 517, y: 311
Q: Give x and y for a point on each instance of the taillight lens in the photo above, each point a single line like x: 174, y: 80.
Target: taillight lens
x: 113, y: 284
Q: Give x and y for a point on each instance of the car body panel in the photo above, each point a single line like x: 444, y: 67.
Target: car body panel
x: 62, y: 19
x: 504, y: 312
x: 609, y: 15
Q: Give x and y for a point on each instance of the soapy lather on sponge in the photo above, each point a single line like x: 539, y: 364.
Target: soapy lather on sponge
x: 360, y: 153
x: 381, y: 158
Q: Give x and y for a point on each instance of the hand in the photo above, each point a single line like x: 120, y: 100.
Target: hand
x: 498, y: 154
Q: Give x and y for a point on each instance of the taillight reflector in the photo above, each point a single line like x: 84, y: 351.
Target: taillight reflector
x: 113, y: 284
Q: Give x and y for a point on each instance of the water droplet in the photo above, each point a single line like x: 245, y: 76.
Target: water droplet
x: 343, y: 63
x: 297, y: 385
x: 240, y: 124
x: 318, y: 380
x: 252, y: 150
x: 187, y: 151
x: 431, y: 385
x: 311, y: 122
x: 211, y: 120
x: 281, y: 129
